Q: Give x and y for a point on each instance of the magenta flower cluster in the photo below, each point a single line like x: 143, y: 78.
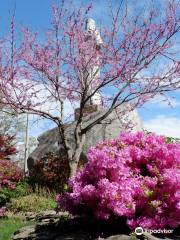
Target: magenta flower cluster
x: 135, y: 176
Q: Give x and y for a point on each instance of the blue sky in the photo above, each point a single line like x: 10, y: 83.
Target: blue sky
x: 156, y: 116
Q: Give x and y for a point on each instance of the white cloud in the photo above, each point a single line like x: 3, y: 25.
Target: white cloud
x: 164, y: 125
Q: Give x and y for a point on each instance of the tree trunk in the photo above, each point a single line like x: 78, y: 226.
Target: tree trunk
x: 73, y: 163
x: 73, y: 155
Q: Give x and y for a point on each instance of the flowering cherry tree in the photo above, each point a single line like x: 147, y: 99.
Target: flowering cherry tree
x: 51, y: 69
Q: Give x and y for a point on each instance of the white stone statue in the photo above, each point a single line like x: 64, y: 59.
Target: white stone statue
x: 91, y: 74
x: 90, y: 29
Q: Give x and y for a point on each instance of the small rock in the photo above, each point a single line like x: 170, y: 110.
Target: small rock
x: 24, y: 233
x: 30, y: 216
x: 73, y: 236
x: 119, y: 237
x: 51, y: 214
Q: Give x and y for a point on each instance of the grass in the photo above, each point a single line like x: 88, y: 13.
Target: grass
x: 9, y: 225
x: 38, y: 200
x: 31, y: 203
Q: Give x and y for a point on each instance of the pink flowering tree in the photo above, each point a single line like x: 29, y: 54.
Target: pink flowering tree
x: 135, y: 176
x: 52, y: 69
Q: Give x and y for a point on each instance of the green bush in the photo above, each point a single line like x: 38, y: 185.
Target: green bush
x: 32, y: 203
x: 6, y: 194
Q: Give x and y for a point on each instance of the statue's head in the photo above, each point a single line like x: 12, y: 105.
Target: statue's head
x: 92, y: 31
x: 90, y: 25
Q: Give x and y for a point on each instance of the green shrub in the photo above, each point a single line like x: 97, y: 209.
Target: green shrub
x: 6, y: 194
x: 32, y: 203
x: 22, y: 189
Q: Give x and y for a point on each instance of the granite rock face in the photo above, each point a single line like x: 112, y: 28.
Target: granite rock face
x: 107, y: 129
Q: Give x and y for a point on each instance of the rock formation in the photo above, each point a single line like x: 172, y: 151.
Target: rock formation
x: 108, y: 128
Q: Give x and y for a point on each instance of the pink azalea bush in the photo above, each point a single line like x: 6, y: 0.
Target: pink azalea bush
x: 135, y: 176
x: 10, y: 174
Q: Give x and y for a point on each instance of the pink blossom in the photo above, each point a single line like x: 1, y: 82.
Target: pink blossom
x: 135, y: 176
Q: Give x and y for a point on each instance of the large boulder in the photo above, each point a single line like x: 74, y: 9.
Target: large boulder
x: 107, y: 129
